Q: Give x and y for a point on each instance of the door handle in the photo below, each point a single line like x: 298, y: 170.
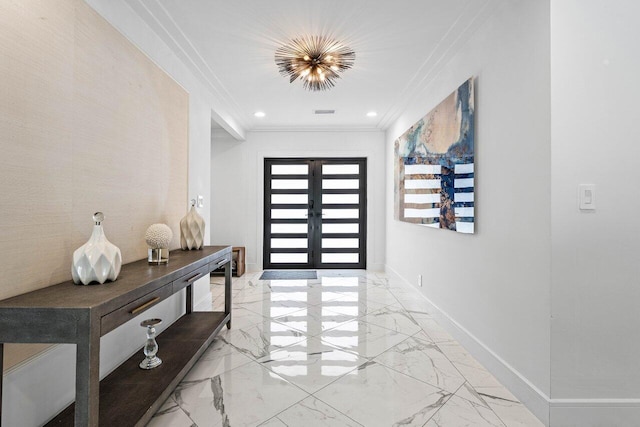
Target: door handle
x: 145, y: 305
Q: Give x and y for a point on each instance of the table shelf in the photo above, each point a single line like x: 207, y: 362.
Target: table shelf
x: 130, y: 396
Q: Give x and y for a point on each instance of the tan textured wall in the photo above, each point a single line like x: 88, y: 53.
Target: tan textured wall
x: 87, y: 123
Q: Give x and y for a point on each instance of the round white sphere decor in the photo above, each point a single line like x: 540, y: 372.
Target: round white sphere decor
x: 98, y: 260
x: 158, y: 237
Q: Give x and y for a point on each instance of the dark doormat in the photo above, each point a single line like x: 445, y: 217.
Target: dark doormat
x: 288, y: 275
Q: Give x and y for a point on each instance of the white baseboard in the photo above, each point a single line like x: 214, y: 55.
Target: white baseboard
x: 40, y: 387
x: 376, y: 267
x: 203, y: 300
x: 204, y: 303
x: 533, y: 398
x: 552, y: 412
x: 595, y: 412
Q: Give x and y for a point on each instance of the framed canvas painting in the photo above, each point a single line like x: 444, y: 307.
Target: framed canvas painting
x: 434, y: 166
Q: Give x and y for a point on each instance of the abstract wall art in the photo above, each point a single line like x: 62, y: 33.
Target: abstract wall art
x: 434, y: 166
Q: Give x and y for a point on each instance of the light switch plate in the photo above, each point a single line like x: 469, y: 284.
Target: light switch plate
x: 587, y: 197
x: 200, y: 202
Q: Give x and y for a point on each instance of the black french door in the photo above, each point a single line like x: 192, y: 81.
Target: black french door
x: 315, y: 213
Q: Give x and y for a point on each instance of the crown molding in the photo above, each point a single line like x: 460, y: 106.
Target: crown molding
x: 165, y: 27
x: 450, y: 44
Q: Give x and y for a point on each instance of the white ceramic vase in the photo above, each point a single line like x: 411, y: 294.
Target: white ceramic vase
x: 192, y: 229
x: 98, y: 260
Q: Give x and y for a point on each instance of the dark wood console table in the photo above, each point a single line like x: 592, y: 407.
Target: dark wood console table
x: 68, y: 313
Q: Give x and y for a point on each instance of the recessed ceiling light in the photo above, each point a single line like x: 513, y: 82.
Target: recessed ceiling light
x: 372, y: 114
x: 259, y: 114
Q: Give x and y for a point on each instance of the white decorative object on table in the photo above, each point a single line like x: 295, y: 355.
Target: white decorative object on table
x: 158, y: 237
x: 192, y: 229
x: 98, y: 260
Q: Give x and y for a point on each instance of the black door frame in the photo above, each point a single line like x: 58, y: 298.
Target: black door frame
x: 314, y: 220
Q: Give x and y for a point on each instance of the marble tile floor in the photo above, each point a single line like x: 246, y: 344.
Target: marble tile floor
x: 351, y: 348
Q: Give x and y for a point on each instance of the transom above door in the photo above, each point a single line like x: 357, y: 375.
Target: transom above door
x: 315, y: 213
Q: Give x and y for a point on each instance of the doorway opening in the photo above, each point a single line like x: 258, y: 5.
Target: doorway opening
x: 315, y: 213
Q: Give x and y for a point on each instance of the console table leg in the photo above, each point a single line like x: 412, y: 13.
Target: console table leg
x: 227, y: 292
x: 1, y: 371
x: 189, y: 308
x: 88, y: 374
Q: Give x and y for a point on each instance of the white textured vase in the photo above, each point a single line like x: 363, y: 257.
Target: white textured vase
x: 192, y: 230
x: 98, y: 260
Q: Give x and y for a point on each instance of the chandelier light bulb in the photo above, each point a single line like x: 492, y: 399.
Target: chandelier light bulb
x: 316, y: 60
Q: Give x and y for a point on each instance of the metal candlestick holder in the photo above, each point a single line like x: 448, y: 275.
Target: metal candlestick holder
x: 151, y: 346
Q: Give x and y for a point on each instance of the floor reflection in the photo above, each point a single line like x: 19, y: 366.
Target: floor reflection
x: 331, y: 304
x: 350, y: 348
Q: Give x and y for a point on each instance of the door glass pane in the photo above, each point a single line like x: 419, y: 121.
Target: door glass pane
x: 340, y: 228
x: 302, y: 199
x: 340, y: 184
x: 340, y: 198
x: 290, y: 169
x: 339, y: 213
x: 289, y: 243
x: 288, y: 258
x: 340, y: 243
x: 339, y: 258
x: 340, y: 169
x: 288, y: 184
x: 289, y: 228
x: 289, y: 213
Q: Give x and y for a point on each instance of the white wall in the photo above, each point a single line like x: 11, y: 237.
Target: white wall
x: 39, y: 388
x: 201, y: 101
x: 237, y: 180
x: 595, y: 331
x: 493, y: 286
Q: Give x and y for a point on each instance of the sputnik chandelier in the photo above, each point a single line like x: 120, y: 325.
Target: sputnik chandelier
x: 316, y: 60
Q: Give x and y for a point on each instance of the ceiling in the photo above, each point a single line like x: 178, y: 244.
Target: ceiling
x: 230, y: 46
